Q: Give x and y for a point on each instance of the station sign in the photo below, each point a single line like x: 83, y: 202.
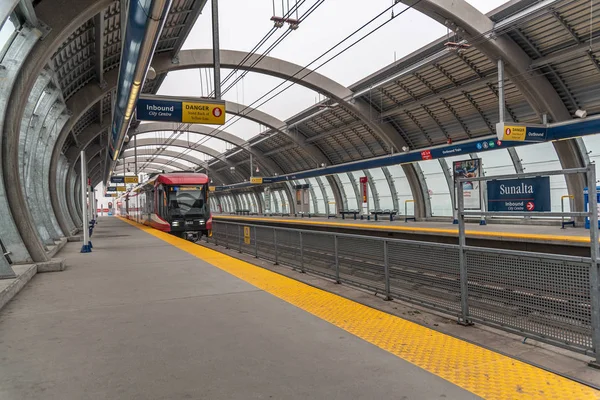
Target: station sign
x: 121, y: 188
x: 185, y: 110
x: 111, y: 189
x: 522, y: 133
x: 124, y: 179
x: 256, y: 180
x: 528, y: 194
x: 212, y: 188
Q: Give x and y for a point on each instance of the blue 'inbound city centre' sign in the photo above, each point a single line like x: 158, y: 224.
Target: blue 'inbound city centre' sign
x: 159, y: 110
x: 530, y: 194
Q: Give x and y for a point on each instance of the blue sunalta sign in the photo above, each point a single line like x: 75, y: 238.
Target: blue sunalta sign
x: 528, y: 194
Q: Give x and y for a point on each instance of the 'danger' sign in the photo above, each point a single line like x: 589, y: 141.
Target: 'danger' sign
x: 530, y: 194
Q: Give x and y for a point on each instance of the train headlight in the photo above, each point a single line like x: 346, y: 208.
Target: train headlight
x: 175, y: 223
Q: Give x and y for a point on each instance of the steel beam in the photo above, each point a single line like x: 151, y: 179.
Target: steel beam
x: 392, y: 185
x: 21, y: 241
x: 99, y: 27
x: 284, y: 70
x: 537, y: 90
x: 324, y: 192
x: 6, y: 8
x: 61, y: 24
x: 354, y: 183
x: 25, y: 9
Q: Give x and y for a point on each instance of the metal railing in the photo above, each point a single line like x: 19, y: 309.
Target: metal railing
x: 541, y: 296
x: 552, y: 298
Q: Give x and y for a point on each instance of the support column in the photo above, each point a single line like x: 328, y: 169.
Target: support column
x: 216, y: 48
x: 324, y: 192
x: 20, y: 239
x: 57, y: 218
x: 72, y: 194
x: 337, y: 193
x: 356, y: 190
x: 62, y: 185
x: 392, y: 185
x: 86, y: 248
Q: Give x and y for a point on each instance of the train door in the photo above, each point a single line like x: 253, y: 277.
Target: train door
x: 161, y: 205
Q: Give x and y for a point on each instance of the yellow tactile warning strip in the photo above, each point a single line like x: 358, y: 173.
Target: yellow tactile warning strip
x: 414, y: 229
x: 483, y: 372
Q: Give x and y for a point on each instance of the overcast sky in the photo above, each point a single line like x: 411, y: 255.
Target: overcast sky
x: 244, y: 23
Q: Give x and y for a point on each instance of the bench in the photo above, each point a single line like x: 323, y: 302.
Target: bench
x: 349, y: 212
x: 391, y: 213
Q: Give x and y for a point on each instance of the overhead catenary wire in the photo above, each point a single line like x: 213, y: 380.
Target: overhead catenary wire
x: 237, y: 118
x: 273, y: 45
x: 263, y: 40
x: 304, y: 68
x: 303, y: 17
x: 210, y: 90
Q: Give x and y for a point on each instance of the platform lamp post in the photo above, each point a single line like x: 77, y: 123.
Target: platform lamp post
x: 86, y: 248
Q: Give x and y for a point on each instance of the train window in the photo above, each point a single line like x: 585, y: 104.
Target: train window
x: 150, y: 201
x: 187, y: 201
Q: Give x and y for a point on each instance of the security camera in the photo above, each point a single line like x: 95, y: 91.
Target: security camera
x: 126, y: 138
x: 405, y: 148
x: 581, y: 113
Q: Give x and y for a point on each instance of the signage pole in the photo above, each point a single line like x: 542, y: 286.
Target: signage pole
x: 135, y: 155
x: 501, y: 89
x: 454, y: 198
x: 594, y: 273
x: 92, y: 203
x: 84, y: 212
x: 216, y: 49
x: 251, y: 170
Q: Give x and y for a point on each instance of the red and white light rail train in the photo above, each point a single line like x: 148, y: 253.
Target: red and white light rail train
x: 175, y: 202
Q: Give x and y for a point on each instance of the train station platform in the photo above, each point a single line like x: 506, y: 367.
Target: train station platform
x: 150, y: 316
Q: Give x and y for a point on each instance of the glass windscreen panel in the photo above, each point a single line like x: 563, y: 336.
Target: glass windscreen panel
x: 187, y: 200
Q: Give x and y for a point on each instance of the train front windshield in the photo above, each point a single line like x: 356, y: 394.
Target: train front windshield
x: 187, y: 201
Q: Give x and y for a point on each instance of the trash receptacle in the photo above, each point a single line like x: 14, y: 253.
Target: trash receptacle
x: 586, y: 199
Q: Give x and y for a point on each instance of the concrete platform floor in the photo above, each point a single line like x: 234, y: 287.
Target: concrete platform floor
x: 140, y: 319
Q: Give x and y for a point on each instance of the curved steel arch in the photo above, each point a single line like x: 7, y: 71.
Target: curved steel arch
x: 207, y: 131
x: 94, y: 130
x: 285, y: 70
x: 158, y: 160
x: 537, y: 89
x: 61, y: 24
x: 185, y: 145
